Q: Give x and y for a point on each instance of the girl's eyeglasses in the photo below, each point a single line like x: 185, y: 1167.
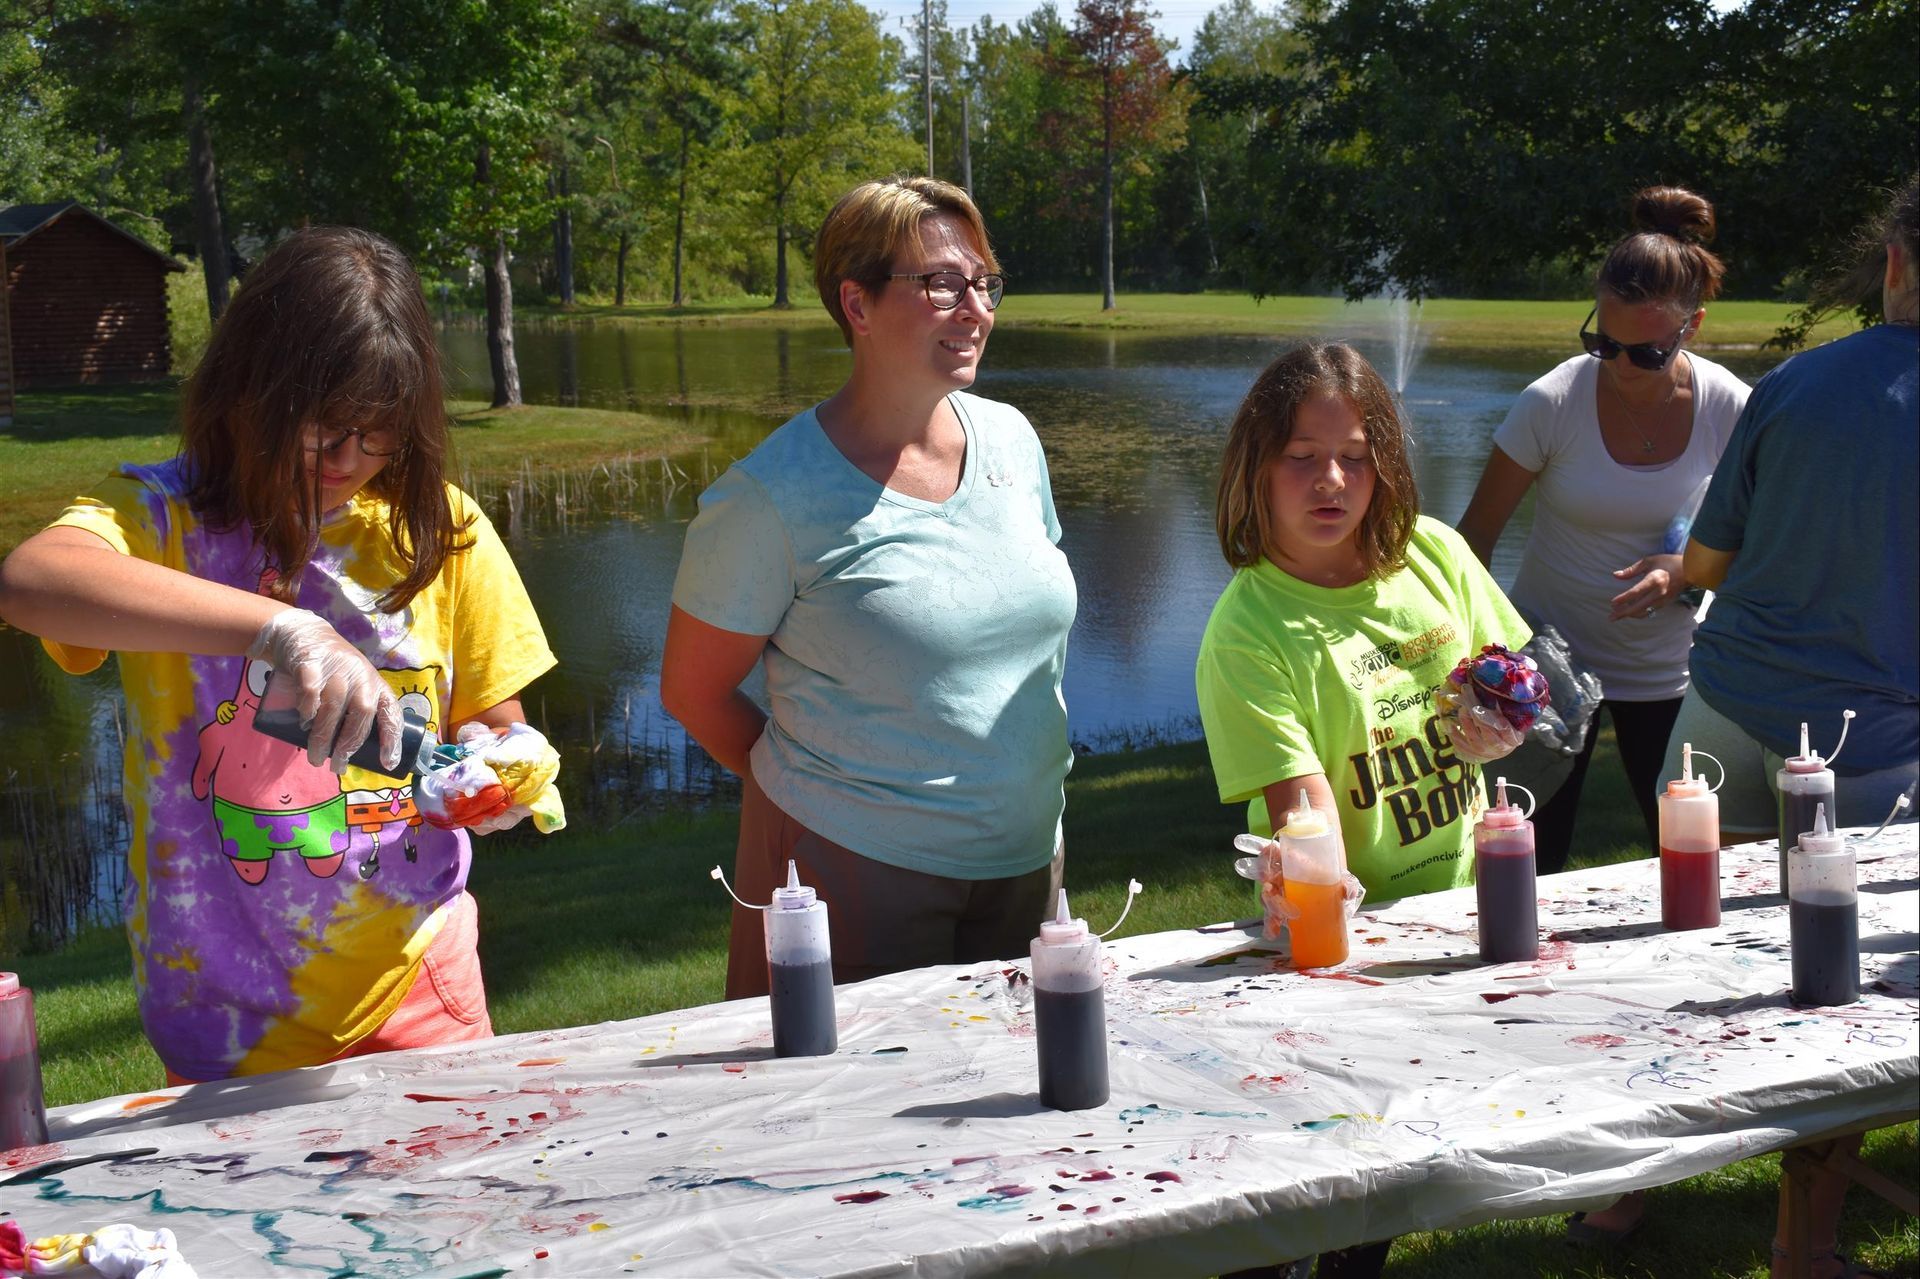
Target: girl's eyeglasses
x: 1644, y: 355
x: 375, y: 442
x: 945, y: 287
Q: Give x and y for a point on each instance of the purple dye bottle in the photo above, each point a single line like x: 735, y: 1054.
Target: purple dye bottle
x: 1069, y: 1013
x: 23, y: 1111
x: 1804, y: 783
x: 1823, y: 911
x: 1504, y: 881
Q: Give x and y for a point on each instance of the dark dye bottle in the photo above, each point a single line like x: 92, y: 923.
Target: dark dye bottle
x: 1504, y: 882
x: 800, y: 972
x: 1823, y: 909
x: 1069, y: 1013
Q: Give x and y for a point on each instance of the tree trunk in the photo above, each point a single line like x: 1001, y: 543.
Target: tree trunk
x: 209, y: 239
x: 780, y: 300
x: 620, y: 269
x: 563, y: 236
x: 506, y: 370
x: 680, y: 224
x: 1106, y: 201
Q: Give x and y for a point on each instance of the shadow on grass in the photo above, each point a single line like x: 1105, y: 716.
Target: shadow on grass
x: 1717, y: 1224
x: 95, y: 413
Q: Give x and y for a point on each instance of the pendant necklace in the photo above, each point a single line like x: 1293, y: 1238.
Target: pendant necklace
x: 1646, y: 440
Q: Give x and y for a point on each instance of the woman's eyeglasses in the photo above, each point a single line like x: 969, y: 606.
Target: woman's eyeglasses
x: 945, y: 287
x: 374, y: 442
x: 1644, y: 355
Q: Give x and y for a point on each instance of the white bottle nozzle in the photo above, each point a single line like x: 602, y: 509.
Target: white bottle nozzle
x: 1500, y: 792
x: 1846, y: 726
x: 1686, y: 762
x: 717, y: 873
x: 793, y: 876
x: 1060, y: 915
x: 1804, y: 749
x: 1822, y: 838
x: 1302, y: 811
x: 1820, y: 820
x: 1133, y: 890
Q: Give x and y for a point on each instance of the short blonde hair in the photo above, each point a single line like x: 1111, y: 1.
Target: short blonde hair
x: 873, y: 224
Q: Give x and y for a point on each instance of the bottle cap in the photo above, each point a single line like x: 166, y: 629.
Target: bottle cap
x: 794, y: 896
x: 1808, y: 760
x: 1503, y: 815
x: 1687, y: 786
x: 9, y: 982
x: 1821, y: 839
x: 1304, y: 821
x: 1063, y: 929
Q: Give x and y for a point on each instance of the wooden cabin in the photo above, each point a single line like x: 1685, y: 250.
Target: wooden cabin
x: 87, y: 302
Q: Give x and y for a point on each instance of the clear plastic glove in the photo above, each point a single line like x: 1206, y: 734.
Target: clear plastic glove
x: 1479, y: 733
x: 342, y: 698
x: 503, y: 820
x: 1262, y: 866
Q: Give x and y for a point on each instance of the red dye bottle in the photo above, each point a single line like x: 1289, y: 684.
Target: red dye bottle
x: 23, y: 1112
x: 1690, y: 849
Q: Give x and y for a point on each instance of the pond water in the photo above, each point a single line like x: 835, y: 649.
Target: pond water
x: 1133, y: 427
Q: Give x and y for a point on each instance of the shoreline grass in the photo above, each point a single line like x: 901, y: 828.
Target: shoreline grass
x: 1464, y: 323
x: 63, y: 441
x: 577, y: 930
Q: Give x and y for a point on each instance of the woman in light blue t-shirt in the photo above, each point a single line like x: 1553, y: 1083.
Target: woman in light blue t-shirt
x: 890, y: 554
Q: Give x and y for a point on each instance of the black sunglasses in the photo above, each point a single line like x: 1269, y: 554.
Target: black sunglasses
x: 1644, y: 355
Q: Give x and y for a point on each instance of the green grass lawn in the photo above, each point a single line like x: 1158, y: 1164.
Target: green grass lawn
x: 592, y: 926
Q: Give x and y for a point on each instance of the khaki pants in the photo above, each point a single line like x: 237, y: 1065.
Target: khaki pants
x: 882, y: 919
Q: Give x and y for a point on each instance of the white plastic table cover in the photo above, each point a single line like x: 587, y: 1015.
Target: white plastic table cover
x: 1257, y: 1113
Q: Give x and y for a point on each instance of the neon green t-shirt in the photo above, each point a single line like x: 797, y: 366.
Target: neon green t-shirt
x: 1296, y: 679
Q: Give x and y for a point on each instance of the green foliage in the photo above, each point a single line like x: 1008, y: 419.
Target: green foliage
x: 820, y: 111
x: 1452, y: 145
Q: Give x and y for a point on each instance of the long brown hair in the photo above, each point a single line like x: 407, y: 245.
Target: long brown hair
x: 1666, y: 259
x: 330, y: 329
x: 1264, y: 424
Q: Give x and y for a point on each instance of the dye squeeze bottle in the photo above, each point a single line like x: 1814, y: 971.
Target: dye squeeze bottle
x: 1689, y: 849
x: 800, y: 972
x: 1804, y: 784
x: 1823, y: 909
x: 1069, y: 1013
x: 1313, y: 865
x: 1504, y: 881
x: 279, y: 718
x: 23, y: 1112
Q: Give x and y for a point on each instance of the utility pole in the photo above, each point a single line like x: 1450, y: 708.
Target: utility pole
x: 966, y: 144
x: 926, y: 73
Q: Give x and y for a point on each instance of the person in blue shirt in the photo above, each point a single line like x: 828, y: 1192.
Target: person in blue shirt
x: 1810, y: 535
x: 890, y: 556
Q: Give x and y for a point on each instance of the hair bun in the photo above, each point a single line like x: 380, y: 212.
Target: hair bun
x: 1674, y: 211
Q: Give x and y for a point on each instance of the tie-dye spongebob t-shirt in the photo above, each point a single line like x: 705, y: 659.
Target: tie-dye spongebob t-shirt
x: 278, y: 913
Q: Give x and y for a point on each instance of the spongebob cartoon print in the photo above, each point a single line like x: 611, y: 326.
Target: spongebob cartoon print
x: 380, y: 810
x: 267, y: 798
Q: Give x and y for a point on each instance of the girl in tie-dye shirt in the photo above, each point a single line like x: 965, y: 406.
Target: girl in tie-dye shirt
x: 284, y: 908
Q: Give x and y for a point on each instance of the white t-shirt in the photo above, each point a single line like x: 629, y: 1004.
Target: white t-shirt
x: 1593, y: 515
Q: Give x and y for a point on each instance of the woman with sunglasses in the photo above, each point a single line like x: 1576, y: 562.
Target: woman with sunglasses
x: 1619, y: 441
x: 889, y: 555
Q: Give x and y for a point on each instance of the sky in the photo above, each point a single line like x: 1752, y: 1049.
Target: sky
x: 1178, y: 18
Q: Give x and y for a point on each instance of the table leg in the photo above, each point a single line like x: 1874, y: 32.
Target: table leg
x: 1799, y: 1166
